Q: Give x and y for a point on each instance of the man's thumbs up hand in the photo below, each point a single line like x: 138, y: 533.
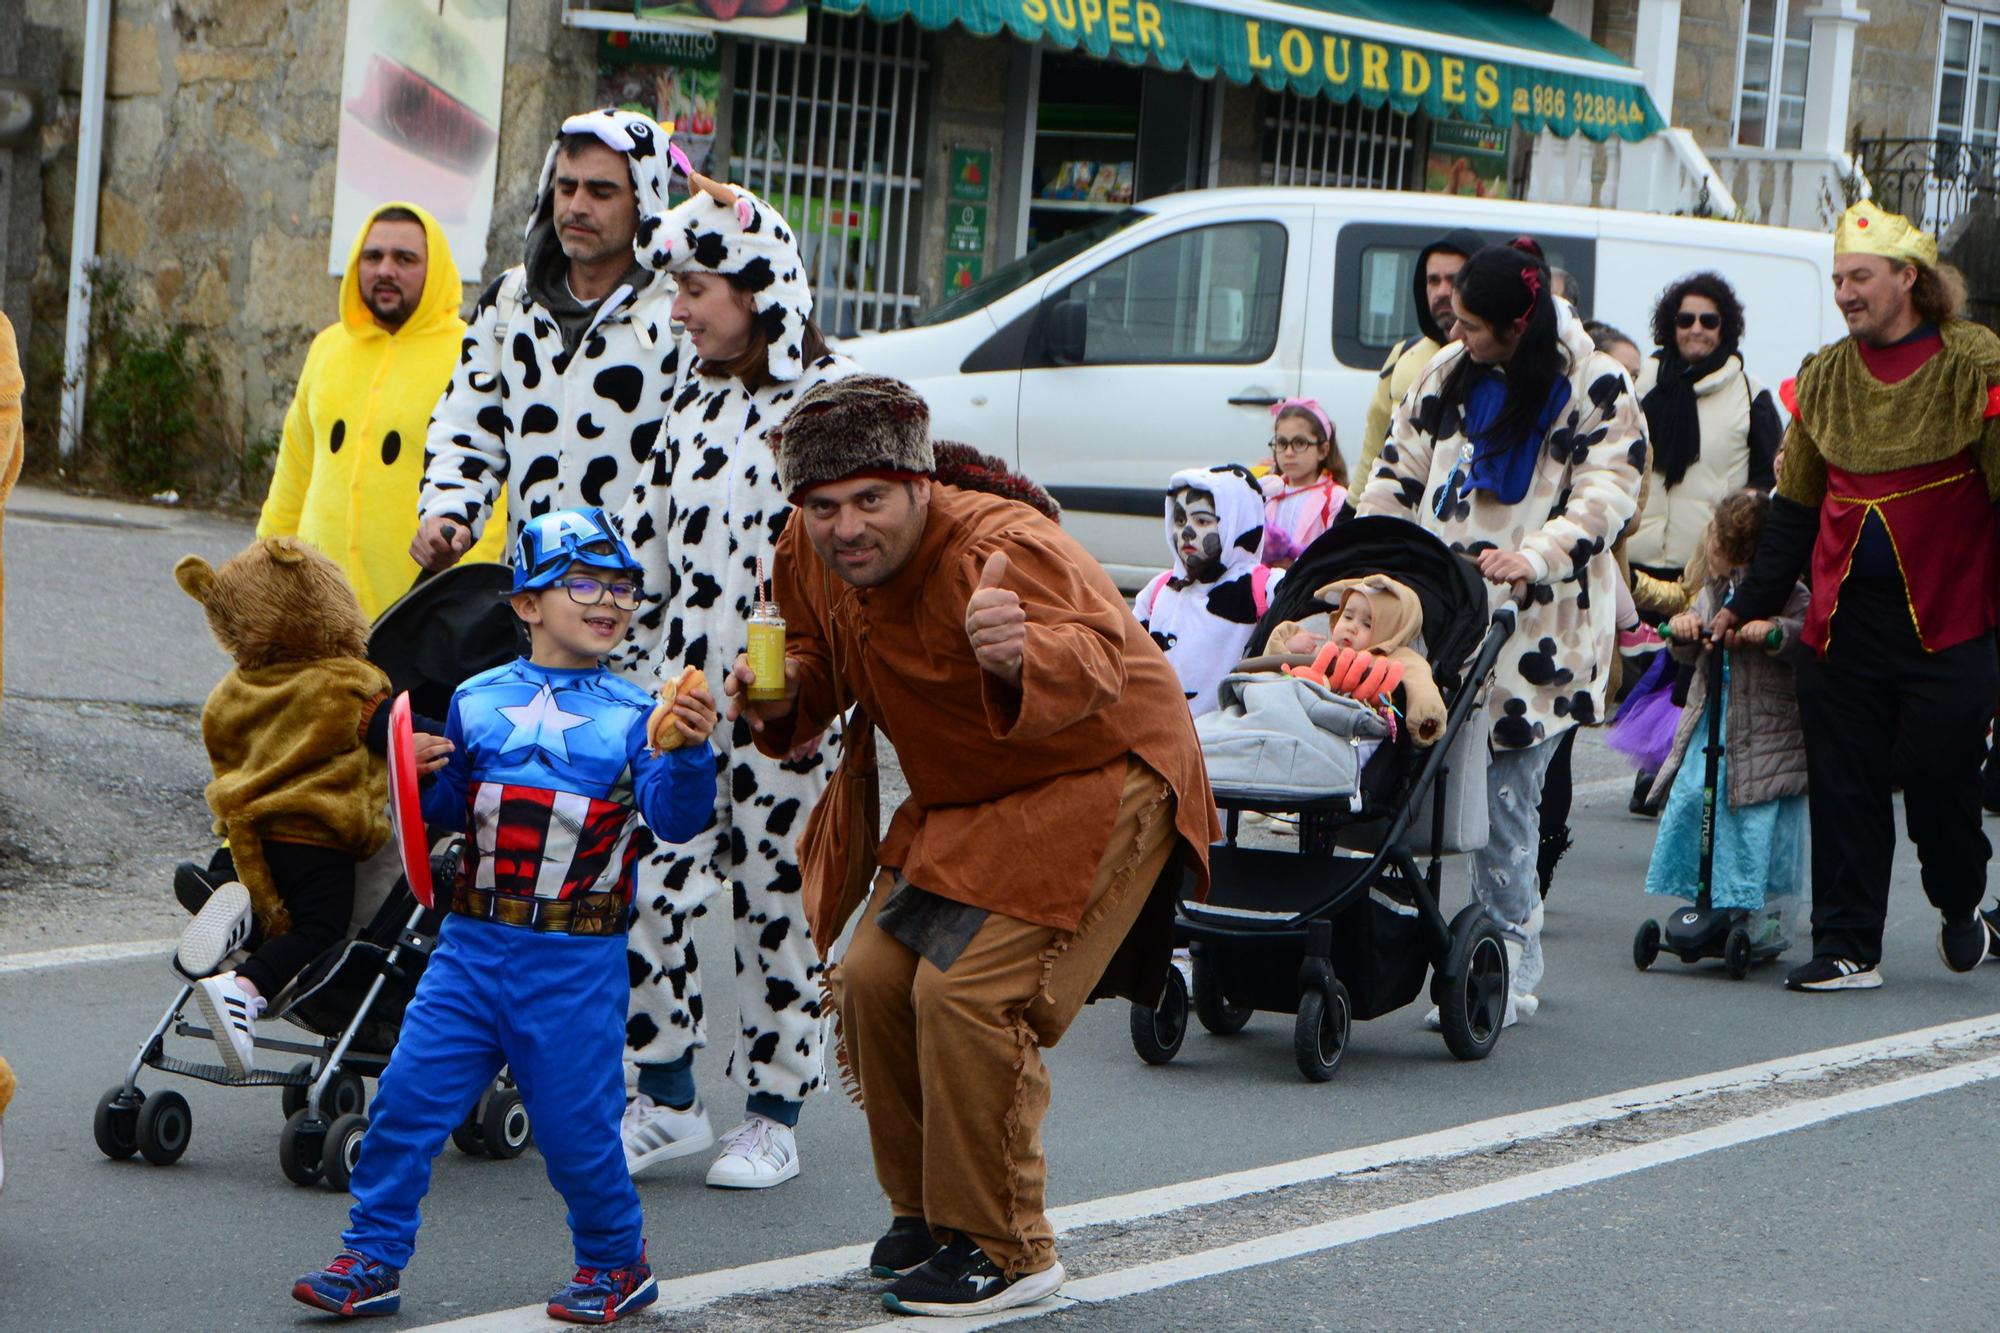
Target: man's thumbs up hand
x: 996, y: 623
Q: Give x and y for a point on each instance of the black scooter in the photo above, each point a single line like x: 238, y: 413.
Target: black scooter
x: 1703, y: 930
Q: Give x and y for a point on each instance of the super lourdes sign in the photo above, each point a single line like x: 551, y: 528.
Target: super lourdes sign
x: 1309, y: 59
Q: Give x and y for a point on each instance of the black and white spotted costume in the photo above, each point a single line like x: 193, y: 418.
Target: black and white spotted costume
x: 713, y: 497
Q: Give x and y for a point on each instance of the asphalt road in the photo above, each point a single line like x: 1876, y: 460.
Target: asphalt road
x: 104, y: 798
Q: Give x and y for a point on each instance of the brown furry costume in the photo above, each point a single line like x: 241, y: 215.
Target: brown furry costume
x: 285, y: 729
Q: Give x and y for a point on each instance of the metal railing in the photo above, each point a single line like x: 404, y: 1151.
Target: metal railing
x: 1317, y: 141
x: 1933, y: 180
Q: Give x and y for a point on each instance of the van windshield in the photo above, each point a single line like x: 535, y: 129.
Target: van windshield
x: 1013, y: 276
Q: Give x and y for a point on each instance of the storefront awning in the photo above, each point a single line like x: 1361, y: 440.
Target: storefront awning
x: 1486, y: 60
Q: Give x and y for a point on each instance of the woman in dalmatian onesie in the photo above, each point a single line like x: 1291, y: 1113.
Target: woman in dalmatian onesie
x: 747, y: 350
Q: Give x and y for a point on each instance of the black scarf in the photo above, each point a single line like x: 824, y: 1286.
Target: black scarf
x: 1673, y: 420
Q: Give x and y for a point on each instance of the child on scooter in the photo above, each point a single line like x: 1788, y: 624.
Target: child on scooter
x: 1760, y: 810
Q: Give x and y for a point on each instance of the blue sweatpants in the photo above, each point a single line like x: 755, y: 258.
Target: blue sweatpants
x: 551, y: 1008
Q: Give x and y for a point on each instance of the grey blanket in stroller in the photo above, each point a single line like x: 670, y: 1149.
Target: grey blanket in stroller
x: 1278, y: 738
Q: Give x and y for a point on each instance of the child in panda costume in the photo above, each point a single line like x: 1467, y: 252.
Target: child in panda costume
x: 1201, y: 612
x: 747, y: 349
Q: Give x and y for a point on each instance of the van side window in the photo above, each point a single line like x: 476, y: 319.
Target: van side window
x: 1208, y: 295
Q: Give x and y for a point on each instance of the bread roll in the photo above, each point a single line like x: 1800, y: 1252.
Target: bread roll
x: 662, y: 732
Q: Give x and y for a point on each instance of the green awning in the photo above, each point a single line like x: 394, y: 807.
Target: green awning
x: 1482, y: 60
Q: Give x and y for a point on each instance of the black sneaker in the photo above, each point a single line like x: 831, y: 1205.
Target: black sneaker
x: 1991, y: 916
x: 1834, y: 974
x: 1963, y: 944
x: 960, y: 1280
x: 1639, y: 804
x: 905, y: 1245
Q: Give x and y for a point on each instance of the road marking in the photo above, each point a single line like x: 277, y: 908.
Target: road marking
x: 1324, y: 1236
x: 85, y: 953
x: 696, y: 1290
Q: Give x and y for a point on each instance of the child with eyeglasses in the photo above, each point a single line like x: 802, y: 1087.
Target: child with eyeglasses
x: 1307, y: 485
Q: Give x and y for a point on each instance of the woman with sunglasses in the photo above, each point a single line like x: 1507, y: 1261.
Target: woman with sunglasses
x: 1713, y: 429
x: 1522, y: 446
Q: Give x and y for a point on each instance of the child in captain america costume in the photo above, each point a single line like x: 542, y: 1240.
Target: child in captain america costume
x: 552, y: 779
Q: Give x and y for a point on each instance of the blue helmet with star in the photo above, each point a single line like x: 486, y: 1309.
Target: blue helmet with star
x: 550, y: 543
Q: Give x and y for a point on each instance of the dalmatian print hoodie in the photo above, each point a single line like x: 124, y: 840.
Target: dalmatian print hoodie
x: 566, y: 418
x: 1585, y: 489
x: 1202, y: 611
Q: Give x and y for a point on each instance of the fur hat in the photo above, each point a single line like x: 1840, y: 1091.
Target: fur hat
x: 277, y: 600
x: 859, y: 425
x: 730, y: 232
x: 968, y: 469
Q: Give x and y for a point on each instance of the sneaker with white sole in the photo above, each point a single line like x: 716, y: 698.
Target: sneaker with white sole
x: 1830, y: 974
x: 229, y: 1014
x: 655, y: 1133
x: 219, y: 929
x: 756, y: 1155
x: 960, y: 1280
x: 1962, y: 944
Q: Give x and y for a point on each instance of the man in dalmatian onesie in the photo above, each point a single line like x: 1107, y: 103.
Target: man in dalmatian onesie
x: 747, y: 350
x: 566, y: 379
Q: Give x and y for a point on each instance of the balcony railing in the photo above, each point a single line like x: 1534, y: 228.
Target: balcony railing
x: 1932, y: 180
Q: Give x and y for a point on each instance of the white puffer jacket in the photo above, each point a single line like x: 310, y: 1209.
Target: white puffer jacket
x: 1735, y: 452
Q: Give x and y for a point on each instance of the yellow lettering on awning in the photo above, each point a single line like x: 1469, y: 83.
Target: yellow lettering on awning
x: 1374, y: 67
x: 1520, y: 102
x: 1149, y: 25
x: 1453, y: 90
x: 1416, y: 74
x: 1064, y: 12
x: 1088, y: 12
x: 1118, y: 20
x: 1258, y: 60
x: 1295, y: 51
x: 1339, y: 60
x: 1486, y: 87
x: 1035, y: 10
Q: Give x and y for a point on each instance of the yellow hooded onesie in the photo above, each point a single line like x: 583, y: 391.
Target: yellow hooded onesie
x: 352, y: 460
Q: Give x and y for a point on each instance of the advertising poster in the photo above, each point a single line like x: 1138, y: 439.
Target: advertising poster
x: 420, y: 118
x: 1468, y: 159
x: 674, y: 77
x: 765, y: 20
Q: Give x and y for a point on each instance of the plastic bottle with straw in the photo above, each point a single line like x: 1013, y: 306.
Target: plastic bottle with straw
x: 766, y: 643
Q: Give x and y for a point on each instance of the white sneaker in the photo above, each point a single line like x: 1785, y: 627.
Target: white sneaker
x: 1518, y: 1008
x: 756, y: 1155
x: 217, y: 930
x: 655, y: 1133
x: 231, y: 1020
x: 1184, y: 964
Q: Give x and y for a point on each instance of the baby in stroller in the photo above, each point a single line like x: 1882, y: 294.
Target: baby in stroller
x: 1368, y: 649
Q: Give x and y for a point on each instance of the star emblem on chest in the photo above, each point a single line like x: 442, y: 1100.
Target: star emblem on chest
x: 540, y: 722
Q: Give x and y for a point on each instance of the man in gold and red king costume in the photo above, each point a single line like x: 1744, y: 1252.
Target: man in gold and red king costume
x: 1885, y: 503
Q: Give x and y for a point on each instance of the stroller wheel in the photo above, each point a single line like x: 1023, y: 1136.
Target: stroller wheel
x: 345, y: 1094
x: 1736, y: 952
x: 1646, y: 944
x: 293, y: 1096
x: 342, y: 1150
x: 300, y: 1147
x: 1472, y: 1004
x: 116, y: 1125
x: 165, y: 1126
x: 1212, y: 1007
x: 1319, y: 1038
x: 1157, y: 1033
x: 504, y: 1130
x: 466, y: 1137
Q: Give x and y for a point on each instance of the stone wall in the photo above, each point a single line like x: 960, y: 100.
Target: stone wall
x: 1895, y: 71
x: 967, y: 88
x: 218, y: 177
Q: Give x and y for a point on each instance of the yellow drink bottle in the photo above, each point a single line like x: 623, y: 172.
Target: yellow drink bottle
x: 766, y: 650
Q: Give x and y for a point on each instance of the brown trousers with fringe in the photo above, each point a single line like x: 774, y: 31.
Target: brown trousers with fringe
x: 949, y: 1064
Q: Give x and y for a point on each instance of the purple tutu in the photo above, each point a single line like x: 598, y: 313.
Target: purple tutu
x: 1644, y: 729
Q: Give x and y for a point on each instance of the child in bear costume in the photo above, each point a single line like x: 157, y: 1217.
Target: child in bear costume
x: 297, y: 791
x: 1203, y: 611
x: 1365, y: 650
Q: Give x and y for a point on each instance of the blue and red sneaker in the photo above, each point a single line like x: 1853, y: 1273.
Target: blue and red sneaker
x: 352, y: 1285
x: 601, y: 1295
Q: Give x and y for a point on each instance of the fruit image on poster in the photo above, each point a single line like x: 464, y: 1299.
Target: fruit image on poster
x: 766, y: 20
x: 674, y: 77
x: 961, y: 272
x: 971, y: 173
x: 1468, y: 159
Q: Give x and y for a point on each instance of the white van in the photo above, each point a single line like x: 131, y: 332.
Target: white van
x: 1160, y: 337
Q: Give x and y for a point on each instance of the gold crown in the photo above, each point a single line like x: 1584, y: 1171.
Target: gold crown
x: 1867, y: 230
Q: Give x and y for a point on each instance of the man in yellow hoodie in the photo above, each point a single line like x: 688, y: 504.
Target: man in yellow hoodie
x: 352, y: 459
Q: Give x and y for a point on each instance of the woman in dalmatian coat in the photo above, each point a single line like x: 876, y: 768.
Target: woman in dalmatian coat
x: 1523, y: 447
x: 747, y: 350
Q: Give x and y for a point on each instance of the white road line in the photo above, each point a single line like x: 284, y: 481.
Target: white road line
x: 85, y: 953
x: 699, y: 1289
x: 1325, y: 1236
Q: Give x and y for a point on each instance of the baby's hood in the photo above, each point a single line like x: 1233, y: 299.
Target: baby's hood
x: 1398, y: 614
x: 1239, y: 505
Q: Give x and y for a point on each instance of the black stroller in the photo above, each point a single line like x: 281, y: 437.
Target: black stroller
x: 1348, y: 926
x: 350, y: 999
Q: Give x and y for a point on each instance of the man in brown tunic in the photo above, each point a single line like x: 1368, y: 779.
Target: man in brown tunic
x: 1054, y: 775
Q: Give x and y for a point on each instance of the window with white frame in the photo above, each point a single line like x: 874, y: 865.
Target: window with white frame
x: 1771, y: 91
x: 1968, y: 93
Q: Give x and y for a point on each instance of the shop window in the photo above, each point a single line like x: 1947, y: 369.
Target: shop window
x: 1315, y: 141
x: 1207, y: 295
x: 828, y: 133
x: 1771, y: 92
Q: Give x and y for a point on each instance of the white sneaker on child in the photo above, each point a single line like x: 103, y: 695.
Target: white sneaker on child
x: 231, y: 1016
x: 756, y: 1155
x: 655, y: 1133
x: 1518, y: 1008
x: 217, y: 930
